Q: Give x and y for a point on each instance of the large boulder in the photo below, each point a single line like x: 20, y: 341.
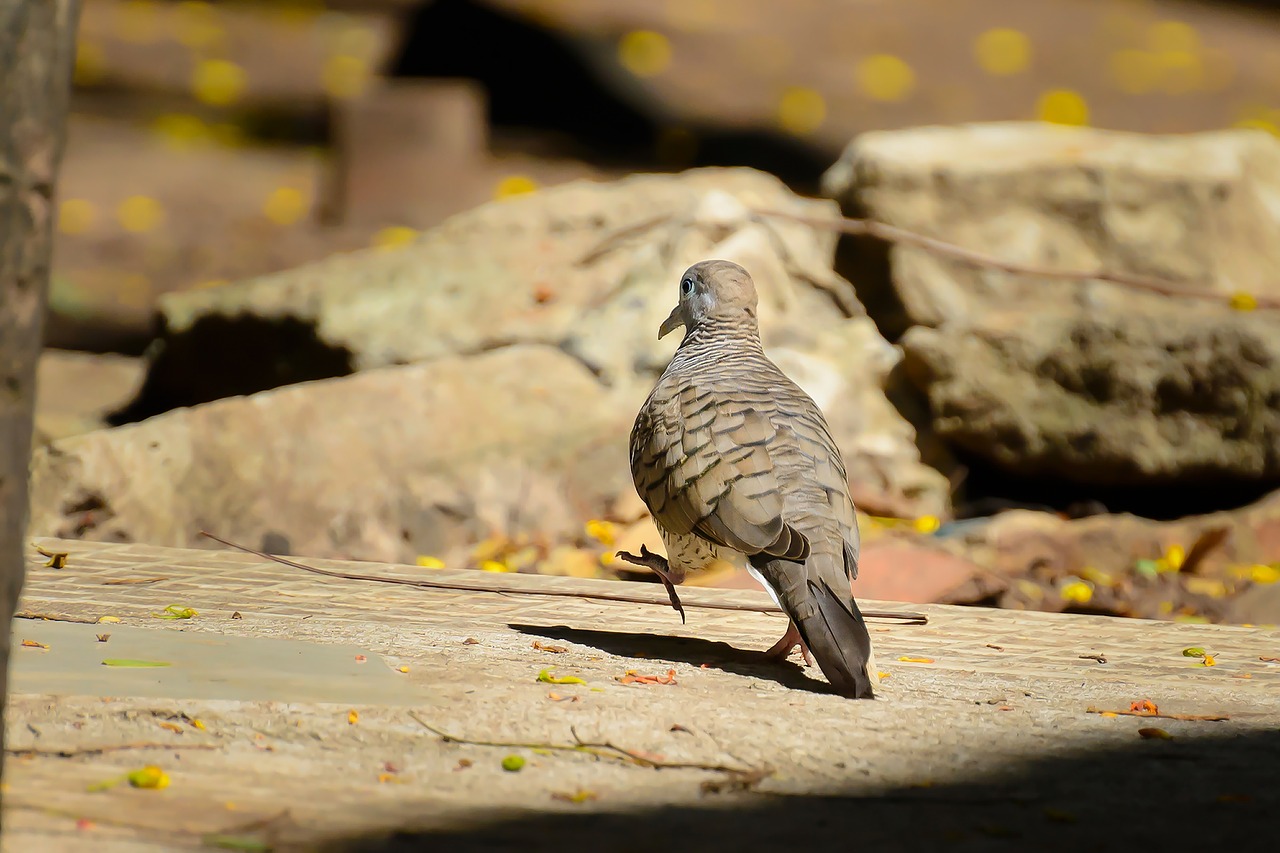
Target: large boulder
x: 385, y: 465
x: 1109, y: 398
x: 1200, y: 210
x: 586, y: 267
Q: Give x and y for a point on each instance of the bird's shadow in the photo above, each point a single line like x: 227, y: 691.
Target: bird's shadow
x: 691, y: 650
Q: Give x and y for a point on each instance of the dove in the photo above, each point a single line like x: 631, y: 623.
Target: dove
x: 735, y: 462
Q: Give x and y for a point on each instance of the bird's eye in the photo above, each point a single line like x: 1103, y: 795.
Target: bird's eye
x: 686, y: 286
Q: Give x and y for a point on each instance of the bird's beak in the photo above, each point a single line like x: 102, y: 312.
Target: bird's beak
x: 668, y: 325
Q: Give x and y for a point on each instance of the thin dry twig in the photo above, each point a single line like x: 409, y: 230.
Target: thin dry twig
x: 894, y: 234
x: 1203, y: 718
x: 599, y: 749
x: 76, y: 751
x: 53, y: 617
x: 906, y: 617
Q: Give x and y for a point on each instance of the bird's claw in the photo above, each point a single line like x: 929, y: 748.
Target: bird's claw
x: 659, y: 566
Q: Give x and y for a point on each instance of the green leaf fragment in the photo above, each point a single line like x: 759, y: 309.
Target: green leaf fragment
x: 237, y: 842
x: 1148, y: 568
x: 176, y: 611
x: 130, y: 662
x: 1193, y: 652
x: 546, y: 677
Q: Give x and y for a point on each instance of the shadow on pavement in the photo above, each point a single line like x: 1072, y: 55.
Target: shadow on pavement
x: 1203, y: 794
x: 691, y: 650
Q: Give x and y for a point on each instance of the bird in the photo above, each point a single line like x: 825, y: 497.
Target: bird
x: 736, y: 462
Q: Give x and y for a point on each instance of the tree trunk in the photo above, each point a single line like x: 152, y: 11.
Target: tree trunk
x: 37, y: 45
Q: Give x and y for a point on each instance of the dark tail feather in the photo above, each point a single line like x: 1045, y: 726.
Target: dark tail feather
x: 838, y: 640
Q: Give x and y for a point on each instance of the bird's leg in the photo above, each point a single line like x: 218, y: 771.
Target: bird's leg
x: 781, y: 650
x: 659, y: 566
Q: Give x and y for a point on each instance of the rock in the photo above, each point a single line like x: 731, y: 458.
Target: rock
x: 589, y: 268
x: 76, y: 391
x: 1199, y: 210
x: 386, y: 465
x: 1104, y: 397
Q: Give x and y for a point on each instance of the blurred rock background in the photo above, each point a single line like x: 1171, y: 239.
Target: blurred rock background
x: 259, y: 194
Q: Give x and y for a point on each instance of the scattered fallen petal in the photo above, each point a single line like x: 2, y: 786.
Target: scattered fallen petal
x: 603, y: 532
x: 32, y: 644
x: 388, y: 777
x: 57, y: 559
x: 1243, y: 675
x: 427, y: 562
x: 1154, y: 734
x: 1209, y: 661
x: 402, y: 669
x: 883, y: 675
x: 132, y: 663
x: 83, y: 824
x: 176, y: 611
x: 197, y: 724
x: 546, y: 647
x: 632, y: 678
x: 108, y: 618
x: 1242, y: 301
x: 353, y: 717
x: 1077, y: 592
x: 1202, y: 718
x: 914, y: 659
x: 1193, y: 652
x: 547, y: 677
x: 513, y: 763
x: 1143, y: 706
x: 579, y: 796
x: 556, y: 697
x: 150, y: 777
x: 173, y: 727
x: 361, y: 658
x: 1005, y: 708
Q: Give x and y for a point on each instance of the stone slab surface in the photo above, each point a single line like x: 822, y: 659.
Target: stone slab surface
x: 981, y: 740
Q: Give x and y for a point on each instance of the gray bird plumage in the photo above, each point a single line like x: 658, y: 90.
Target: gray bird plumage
x: 736, y: 462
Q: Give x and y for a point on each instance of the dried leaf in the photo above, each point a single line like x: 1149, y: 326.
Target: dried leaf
x: 57, y: 559
x: 173, y: 727
x: 632, y: 678
x: 32, y: 644
x: 236, y: 615
x: 176, y: 611
x: 676, y: 727
x: 1143, y: 706
x: 470, y: 641
x: 132, y: 581
x: 132, y: 663
x: 102, y: 638
x: 111, y: 619
x: 546, y: 677
x: 546, y: 647
x: 1154, y: 734
x: 463, y: 764
x: 556, y: 697
x: 513, y: 763
x: 1266, y: 659
x: 579, y: 796
x: 914, y: 659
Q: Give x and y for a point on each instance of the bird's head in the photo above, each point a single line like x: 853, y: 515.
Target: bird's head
x: 712, y: 292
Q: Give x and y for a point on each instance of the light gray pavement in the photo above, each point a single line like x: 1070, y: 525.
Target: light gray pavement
x: 989, y: 745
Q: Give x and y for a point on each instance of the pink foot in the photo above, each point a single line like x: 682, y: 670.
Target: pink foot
x: 781, y: 650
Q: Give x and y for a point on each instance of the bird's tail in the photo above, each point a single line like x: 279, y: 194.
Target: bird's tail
x: 837, y: 637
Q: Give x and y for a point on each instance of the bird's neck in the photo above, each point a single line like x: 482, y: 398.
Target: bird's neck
x: 720, y: 337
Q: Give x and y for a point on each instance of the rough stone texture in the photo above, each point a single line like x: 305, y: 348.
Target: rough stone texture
x: 590, y: 268
x: 988, y: 746
x: 1108, y: 397
x: 388, y: 464
x: 1200, y: 210
x: 76, y: 391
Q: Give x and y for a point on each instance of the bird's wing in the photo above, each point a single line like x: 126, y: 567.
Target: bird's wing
x: 701, y: 462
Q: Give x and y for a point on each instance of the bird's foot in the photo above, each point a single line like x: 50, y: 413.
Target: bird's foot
x: 659, y: 566
x: 781, y: 650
